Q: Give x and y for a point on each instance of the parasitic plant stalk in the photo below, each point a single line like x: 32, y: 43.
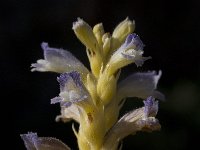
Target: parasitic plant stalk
x: 94, y: 98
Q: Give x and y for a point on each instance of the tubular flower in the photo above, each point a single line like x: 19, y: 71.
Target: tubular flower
x: 33, y: 142
x: 72, y: 89
x: 129, y: 52
x: 94, y: 99
x: 58, y: 60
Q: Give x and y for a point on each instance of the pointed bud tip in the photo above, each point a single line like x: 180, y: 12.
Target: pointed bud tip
x: 78, y: 23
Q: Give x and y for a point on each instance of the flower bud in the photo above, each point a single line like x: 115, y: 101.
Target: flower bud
x: 125, y: 28
x: 85, y: 34
x: 99, y: 32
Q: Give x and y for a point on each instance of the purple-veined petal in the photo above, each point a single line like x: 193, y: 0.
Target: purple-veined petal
x: 30, y: 140
x: 129, y: 48
x: 133, y: 41
x: 58, y: 60
x: 133, y: 49
x: 140, y: 85
x: 33, y: 142
x: 150, y: 107
x: 56, y: 100
x: 72, y: 89
x: 129, y: 125
x: 129, y: 52
x: 66, y: 79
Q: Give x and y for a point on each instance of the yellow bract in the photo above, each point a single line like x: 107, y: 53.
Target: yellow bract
x: 99, y: 32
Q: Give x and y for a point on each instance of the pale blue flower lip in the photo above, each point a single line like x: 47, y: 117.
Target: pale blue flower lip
x: 134, y: 40
x: 72, y: 89
x: 133, y: 47
x: 50, y: 53
x: 55, y: 100
x: 45, y: 45
x: 33, y: 142
x: 130, y: 51
x: 58, y: 60
x: 150, y: 107
x: 65, y: 77
x: 140, y: 84
x: 60, y: 100
x: 30, y: 140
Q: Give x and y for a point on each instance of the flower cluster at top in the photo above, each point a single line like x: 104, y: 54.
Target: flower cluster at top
x: 94, y: 98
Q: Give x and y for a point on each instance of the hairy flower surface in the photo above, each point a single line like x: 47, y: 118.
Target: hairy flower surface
x: 33, y: 142
x: 94, y: 98
x: 72, y: 89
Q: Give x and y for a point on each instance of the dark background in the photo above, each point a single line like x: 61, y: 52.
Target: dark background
x: 169, y: 29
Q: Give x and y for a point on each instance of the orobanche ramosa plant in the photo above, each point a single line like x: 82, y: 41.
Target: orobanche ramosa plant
x: 94, y: 98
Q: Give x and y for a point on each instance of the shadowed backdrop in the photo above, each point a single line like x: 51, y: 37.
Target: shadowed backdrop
x: 169, y: 29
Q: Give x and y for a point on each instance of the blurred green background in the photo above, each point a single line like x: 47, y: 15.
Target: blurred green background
x: 169, y: 29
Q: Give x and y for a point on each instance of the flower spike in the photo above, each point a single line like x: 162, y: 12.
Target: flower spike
x: 94, y: 98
